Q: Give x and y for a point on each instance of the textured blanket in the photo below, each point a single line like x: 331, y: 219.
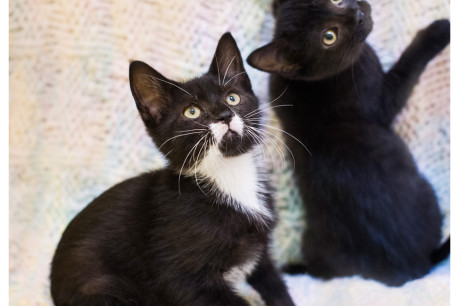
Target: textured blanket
x: 75, y: 130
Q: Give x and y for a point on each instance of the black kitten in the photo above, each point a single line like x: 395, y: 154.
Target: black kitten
x: 182, y: 235
x: 369, y: 211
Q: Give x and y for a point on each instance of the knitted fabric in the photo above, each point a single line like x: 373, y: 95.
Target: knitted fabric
x: 75, y: 130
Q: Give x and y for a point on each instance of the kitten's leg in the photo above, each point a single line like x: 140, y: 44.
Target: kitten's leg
x: 96, y: 290
x: 403, y: 76
x: 267, y: 281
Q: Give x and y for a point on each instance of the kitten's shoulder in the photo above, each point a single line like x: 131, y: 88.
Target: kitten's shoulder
x: 143, y: 181
x: 135, y: 190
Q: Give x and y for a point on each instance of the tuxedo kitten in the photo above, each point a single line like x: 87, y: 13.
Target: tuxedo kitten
x: 369, y: 211
x: 185, y: 234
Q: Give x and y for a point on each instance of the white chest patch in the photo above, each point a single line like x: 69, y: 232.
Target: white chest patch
x: 237, y: 179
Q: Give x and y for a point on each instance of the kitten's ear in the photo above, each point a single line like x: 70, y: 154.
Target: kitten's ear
x: 148, y: 89
x: 272, y: 58
x: 227, y: 64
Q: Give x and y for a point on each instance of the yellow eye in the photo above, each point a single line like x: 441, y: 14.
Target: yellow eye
x: 337, y: 2
x: 233, y: 99
x: 192, y: 112
x: 329, y: 37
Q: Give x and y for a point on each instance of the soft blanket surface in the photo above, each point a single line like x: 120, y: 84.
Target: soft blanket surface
x: 75, y: 130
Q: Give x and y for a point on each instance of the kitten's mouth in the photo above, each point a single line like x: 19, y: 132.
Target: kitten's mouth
x: 230, y: 133
x: 230, y: 138
x: 231, y: 143
x: 227, y: 131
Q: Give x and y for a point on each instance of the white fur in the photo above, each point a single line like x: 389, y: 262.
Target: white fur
x: 237, y: 178
x: 219, y: 129
x: 238, y: 274
x: 236, y: 124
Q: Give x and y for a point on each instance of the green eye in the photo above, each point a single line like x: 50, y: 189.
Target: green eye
x: 329, y: 37
x: 337, y: 2
x: 233, y: 99
x: 192, y: 112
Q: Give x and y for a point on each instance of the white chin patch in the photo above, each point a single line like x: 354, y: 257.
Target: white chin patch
x: 219, y: 129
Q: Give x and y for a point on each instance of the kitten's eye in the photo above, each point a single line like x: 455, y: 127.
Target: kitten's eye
x: 337, y: 2
x: 192, y: 112
x: 233, y: 99
x: 329, y: 37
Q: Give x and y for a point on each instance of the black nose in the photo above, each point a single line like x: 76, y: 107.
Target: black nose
x: 225, y: 116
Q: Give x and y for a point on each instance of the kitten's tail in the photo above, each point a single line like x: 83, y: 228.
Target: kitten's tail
x: 441, y: 253
x: 294, y: 269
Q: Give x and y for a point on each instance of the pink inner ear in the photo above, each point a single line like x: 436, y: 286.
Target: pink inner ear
x: 155, y: 113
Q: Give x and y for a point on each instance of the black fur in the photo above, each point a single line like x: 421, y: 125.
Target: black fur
x: 369, y: 211
x: 143, y: 242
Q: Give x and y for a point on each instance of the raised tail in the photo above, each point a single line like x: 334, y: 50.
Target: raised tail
x: 441, y: 253
x: 294, y: 268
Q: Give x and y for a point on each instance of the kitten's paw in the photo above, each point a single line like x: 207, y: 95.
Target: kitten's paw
x: 437, y: 34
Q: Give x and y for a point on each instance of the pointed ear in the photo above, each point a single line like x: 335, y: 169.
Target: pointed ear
x: 148, y: 89
x: 272, y: 58
x: 227, y: 64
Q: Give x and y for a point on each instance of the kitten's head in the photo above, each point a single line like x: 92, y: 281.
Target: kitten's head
x: 187, y: 119
x: 314, y: 39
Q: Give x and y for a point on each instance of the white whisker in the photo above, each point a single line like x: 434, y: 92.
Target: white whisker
x: 223, y: 80
x: 172, y: 85
x: 279, y: 95
x: 258, y: 142
x: 218, y: 72
x: 191, y: 130
x: 259, y: 145
x: 258, y: 120
x: 186, y: 134
x: 234, y: 77
x: 185, y: 160
x: 273, y: 99
x: 262, y: 142
x: 260, y: 108
x: 201, y: 124
x: 168, y: 153
x: 275, y: 145
x: 249, y: 115
x: 205, y: 164
x: 196, y: 163
x: 283, y: 143
x: 283, y: 131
